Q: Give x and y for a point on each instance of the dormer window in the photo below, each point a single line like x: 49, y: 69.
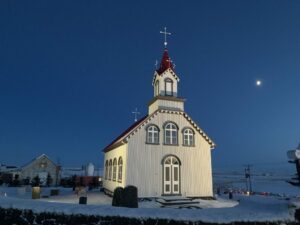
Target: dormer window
x: 168, y: 87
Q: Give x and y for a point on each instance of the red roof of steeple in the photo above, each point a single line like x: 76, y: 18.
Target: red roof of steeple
x: 166, y: 62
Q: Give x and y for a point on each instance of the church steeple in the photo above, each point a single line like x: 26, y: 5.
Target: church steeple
x: 165, y: 80
x: 165, y: 83
x: 166, y: 62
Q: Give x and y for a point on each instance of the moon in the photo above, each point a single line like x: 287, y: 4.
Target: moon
x: 258, y: 83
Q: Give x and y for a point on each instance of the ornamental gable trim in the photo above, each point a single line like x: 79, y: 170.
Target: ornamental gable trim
x: 125, y: 136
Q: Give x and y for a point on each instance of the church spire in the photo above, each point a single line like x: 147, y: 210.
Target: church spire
x: 166, y: 62
x: 165, y: 84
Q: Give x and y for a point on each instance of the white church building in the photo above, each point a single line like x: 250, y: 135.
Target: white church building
x: 164, y: 153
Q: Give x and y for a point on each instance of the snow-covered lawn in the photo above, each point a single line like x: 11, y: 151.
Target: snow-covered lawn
x: 276, y: 206
x: 96, y: 197
x: 242, y: 208
x: 253, y: 208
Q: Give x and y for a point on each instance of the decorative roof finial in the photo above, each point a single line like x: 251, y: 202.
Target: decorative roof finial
x: 165, y: 34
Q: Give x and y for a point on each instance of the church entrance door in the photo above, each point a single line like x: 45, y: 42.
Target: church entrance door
x: 171, y: 175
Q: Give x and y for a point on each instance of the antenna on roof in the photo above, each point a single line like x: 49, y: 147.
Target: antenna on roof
x: 136, y: 113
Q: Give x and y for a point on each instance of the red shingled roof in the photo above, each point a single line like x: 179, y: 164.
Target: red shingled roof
x: 166, y: 62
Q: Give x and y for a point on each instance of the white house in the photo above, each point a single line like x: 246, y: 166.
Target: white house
x: 165, y: 152
x: 41, y: 166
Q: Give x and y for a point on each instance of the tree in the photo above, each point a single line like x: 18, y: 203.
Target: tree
x: 36, y: 181
x: 16, y: 181
x: 49, y: 180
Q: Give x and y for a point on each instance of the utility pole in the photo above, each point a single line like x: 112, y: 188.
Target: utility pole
x: 248, y: 178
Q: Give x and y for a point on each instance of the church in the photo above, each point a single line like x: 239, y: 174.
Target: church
x: 165, y: 153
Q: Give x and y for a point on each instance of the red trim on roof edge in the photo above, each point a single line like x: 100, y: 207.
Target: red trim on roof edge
x: 125, y: 133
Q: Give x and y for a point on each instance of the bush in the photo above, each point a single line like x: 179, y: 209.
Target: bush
x: 36, y: 181
x: 118, y: 197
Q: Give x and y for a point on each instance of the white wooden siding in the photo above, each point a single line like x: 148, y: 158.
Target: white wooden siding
x: 160, y: 103
x: 144, y: 162
x: 161, y: 78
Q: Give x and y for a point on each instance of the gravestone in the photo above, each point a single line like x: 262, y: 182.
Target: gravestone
x: 130, y: 197
x: 36, y: 192
x: 118, y: 197
x: 82, y: 200
x: 54, y: 192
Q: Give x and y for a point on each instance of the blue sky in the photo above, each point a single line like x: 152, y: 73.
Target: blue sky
x: 71, y: 73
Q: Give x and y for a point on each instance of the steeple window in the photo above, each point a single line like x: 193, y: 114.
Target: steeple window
x: 168, y: 87
x: 157, y: 88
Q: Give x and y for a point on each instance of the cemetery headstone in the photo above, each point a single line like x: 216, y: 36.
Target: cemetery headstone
x: 130, y: 197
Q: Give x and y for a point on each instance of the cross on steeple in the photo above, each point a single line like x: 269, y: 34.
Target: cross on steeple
x: 165, y: 34
x: 136, y: 113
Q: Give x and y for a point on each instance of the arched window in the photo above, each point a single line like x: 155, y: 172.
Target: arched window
x: 106, y: 170
x: 168, y: 87
x: 152, y: 134
x: 171, y: 134
x: 157, y: 88
x: 188, y: 137
x: 109, y: 169
x: 120, y: 169
x: 115, y: 169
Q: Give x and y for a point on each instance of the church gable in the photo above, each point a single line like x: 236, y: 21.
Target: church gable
x: 190, y: 124
x: 40, y: 161
x: 145, y: 122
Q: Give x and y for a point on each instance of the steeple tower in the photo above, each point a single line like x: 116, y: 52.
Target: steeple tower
x: 165, y: 84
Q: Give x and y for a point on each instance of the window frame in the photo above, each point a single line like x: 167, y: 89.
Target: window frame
x: 114, y: 174
x: 120, y: 169
x: 171, y: 131
x: 152, y: 132
x: 110, y: 169
x: 156, y: 88
x: 106, y: 170
x: 170, y: 81
x: 190, y: 135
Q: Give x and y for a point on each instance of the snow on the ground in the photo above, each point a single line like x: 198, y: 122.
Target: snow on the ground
x: 253, y: 208
x: 261, y: 183
x: 242, y: 208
